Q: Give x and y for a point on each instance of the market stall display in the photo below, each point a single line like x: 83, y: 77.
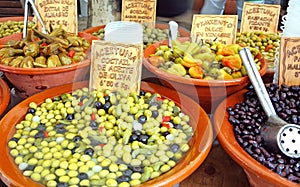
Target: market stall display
x: 207, y: 91
x: 198, y: 146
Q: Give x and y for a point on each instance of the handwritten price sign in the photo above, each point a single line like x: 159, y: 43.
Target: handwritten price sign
x: 59, y: 13
x: 116, y: 66
x: 289, y: 67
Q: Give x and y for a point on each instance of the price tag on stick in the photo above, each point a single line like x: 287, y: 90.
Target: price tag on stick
x: 140, y: 11
x: 59, y: 14
x: 116, y: 66
x: 289, y: 66
x: 215, y: 27
x: 260, y: 17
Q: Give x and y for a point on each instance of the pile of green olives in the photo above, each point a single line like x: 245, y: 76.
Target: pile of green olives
x: 11, y: 27
x: 100, y: 138
x: 266, y: 43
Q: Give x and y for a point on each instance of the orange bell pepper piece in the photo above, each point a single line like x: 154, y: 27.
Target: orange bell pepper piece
x: 234, y: 62
x: 156, y: 60
x: 196, y: 72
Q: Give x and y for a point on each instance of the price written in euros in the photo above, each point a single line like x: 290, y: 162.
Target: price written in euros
x: 108, y: 83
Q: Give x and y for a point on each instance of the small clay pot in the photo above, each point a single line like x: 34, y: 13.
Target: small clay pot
x: 29, y: 81
x: 257, y: 174
x: 209, y: 93
x: 200, y: 143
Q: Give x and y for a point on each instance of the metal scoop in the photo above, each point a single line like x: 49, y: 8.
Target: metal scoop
x: 36, y: 12
x: 173, y: 31
x: 278, y: 135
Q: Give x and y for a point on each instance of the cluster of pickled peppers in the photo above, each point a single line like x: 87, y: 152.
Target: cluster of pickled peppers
x: 214, y: 61
x: 40, y: 50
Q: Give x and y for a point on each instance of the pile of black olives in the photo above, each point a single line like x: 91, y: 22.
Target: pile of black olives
x: 247, y: 118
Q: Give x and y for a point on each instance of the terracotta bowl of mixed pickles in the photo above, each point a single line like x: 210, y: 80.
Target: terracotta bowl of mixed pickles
x: 242, y: 141
x: 206, y: 72
x: 196, y: 142
x: 42, y: 61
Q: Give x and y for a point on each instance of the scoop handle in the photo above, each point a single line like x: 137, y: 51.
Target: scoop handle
x: 173, y: 30
x: 257, y: 82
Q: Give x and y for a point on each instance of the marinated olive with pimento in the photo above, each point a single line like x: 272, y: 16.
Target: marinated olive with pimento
x: 8, y: 28
x: 100, y: 138
x: 247, y: 118
x: 214, y: 61
x: 39, y: 50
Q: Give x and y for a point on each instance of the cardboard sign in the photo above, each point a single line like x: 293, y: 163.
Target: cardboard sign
x: 289, y: 66
x: 116, y: 66
x: 140, y: 11
x: 215, y: 27
x: 260, y: 17
x: 58, y: 13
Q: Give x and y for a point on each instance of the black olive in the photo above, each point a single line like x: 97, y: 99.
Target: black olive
x: 41, y: 128
x: 123, y: 178
x: 39, y: 134
x: 98, y: 105
x: 106, y: 106
x: 107, y: 98
x: 138, y: 169
x: 127, y: 172
x: 174, y: 148
x: 14, y: 139
x: 83, y: 97
x: 94, y: 125
x: 60, y: 184
x: 133, y: 137
x: 142, y: 119
x: 143, y: 138
x: 61, y: 130
x: 142, y: 93
x: 31, y: 110
x: 89, y: 151
x: 30, y: 167
x: 82, y: 176
x: 177, y: 126
x: 137, y: 132
x: 165, y: 133
x: 155, y: 113
x: 154, y: 104
x: 70, y: 117
x: 77, y: 138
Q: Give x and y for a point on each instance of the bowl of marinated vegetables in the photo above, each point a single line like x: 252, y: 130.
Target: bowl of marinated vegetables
x: 69, y: 136
x: 237, y: 122
x: 207, y: 72
x: 41, y: 61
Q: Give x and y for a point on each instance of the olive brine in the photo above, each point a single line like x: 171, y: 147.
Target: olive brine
x: 100, y: 138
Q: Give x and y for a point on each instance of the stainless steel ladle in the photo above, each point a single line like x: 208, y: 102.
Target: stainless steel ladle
x: 278, y: 135
x: 37, y: 14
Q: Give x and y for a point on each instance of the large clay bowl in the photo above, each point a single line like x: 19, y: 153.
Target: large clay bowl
x: 4, y: 96
x: 200, y: 143
x: 257, y: 174
x: 209, y: 93
x: 29, y: 81
x: 182, y: 31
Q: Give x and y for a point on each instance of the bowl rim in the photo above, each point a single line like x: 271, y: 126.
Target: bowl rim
x: 192, y: 81
x: 5, y: 95
x: 189, y: 168
x: 227, y: 139
x: 15, y: 18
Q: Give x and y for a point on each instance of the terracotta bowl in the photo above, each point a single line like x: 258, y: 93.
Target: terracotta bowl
x: 200, y: 143
x: 29, y: 81
x: 208, y: 93
x: 257, y: 174
x: 4, y: 96
x: 183, y: 32
x: 17, y: 18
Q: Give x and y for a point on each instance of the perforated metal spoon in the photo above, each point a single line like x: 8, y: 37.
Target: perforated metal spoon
x: 278, y: 135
